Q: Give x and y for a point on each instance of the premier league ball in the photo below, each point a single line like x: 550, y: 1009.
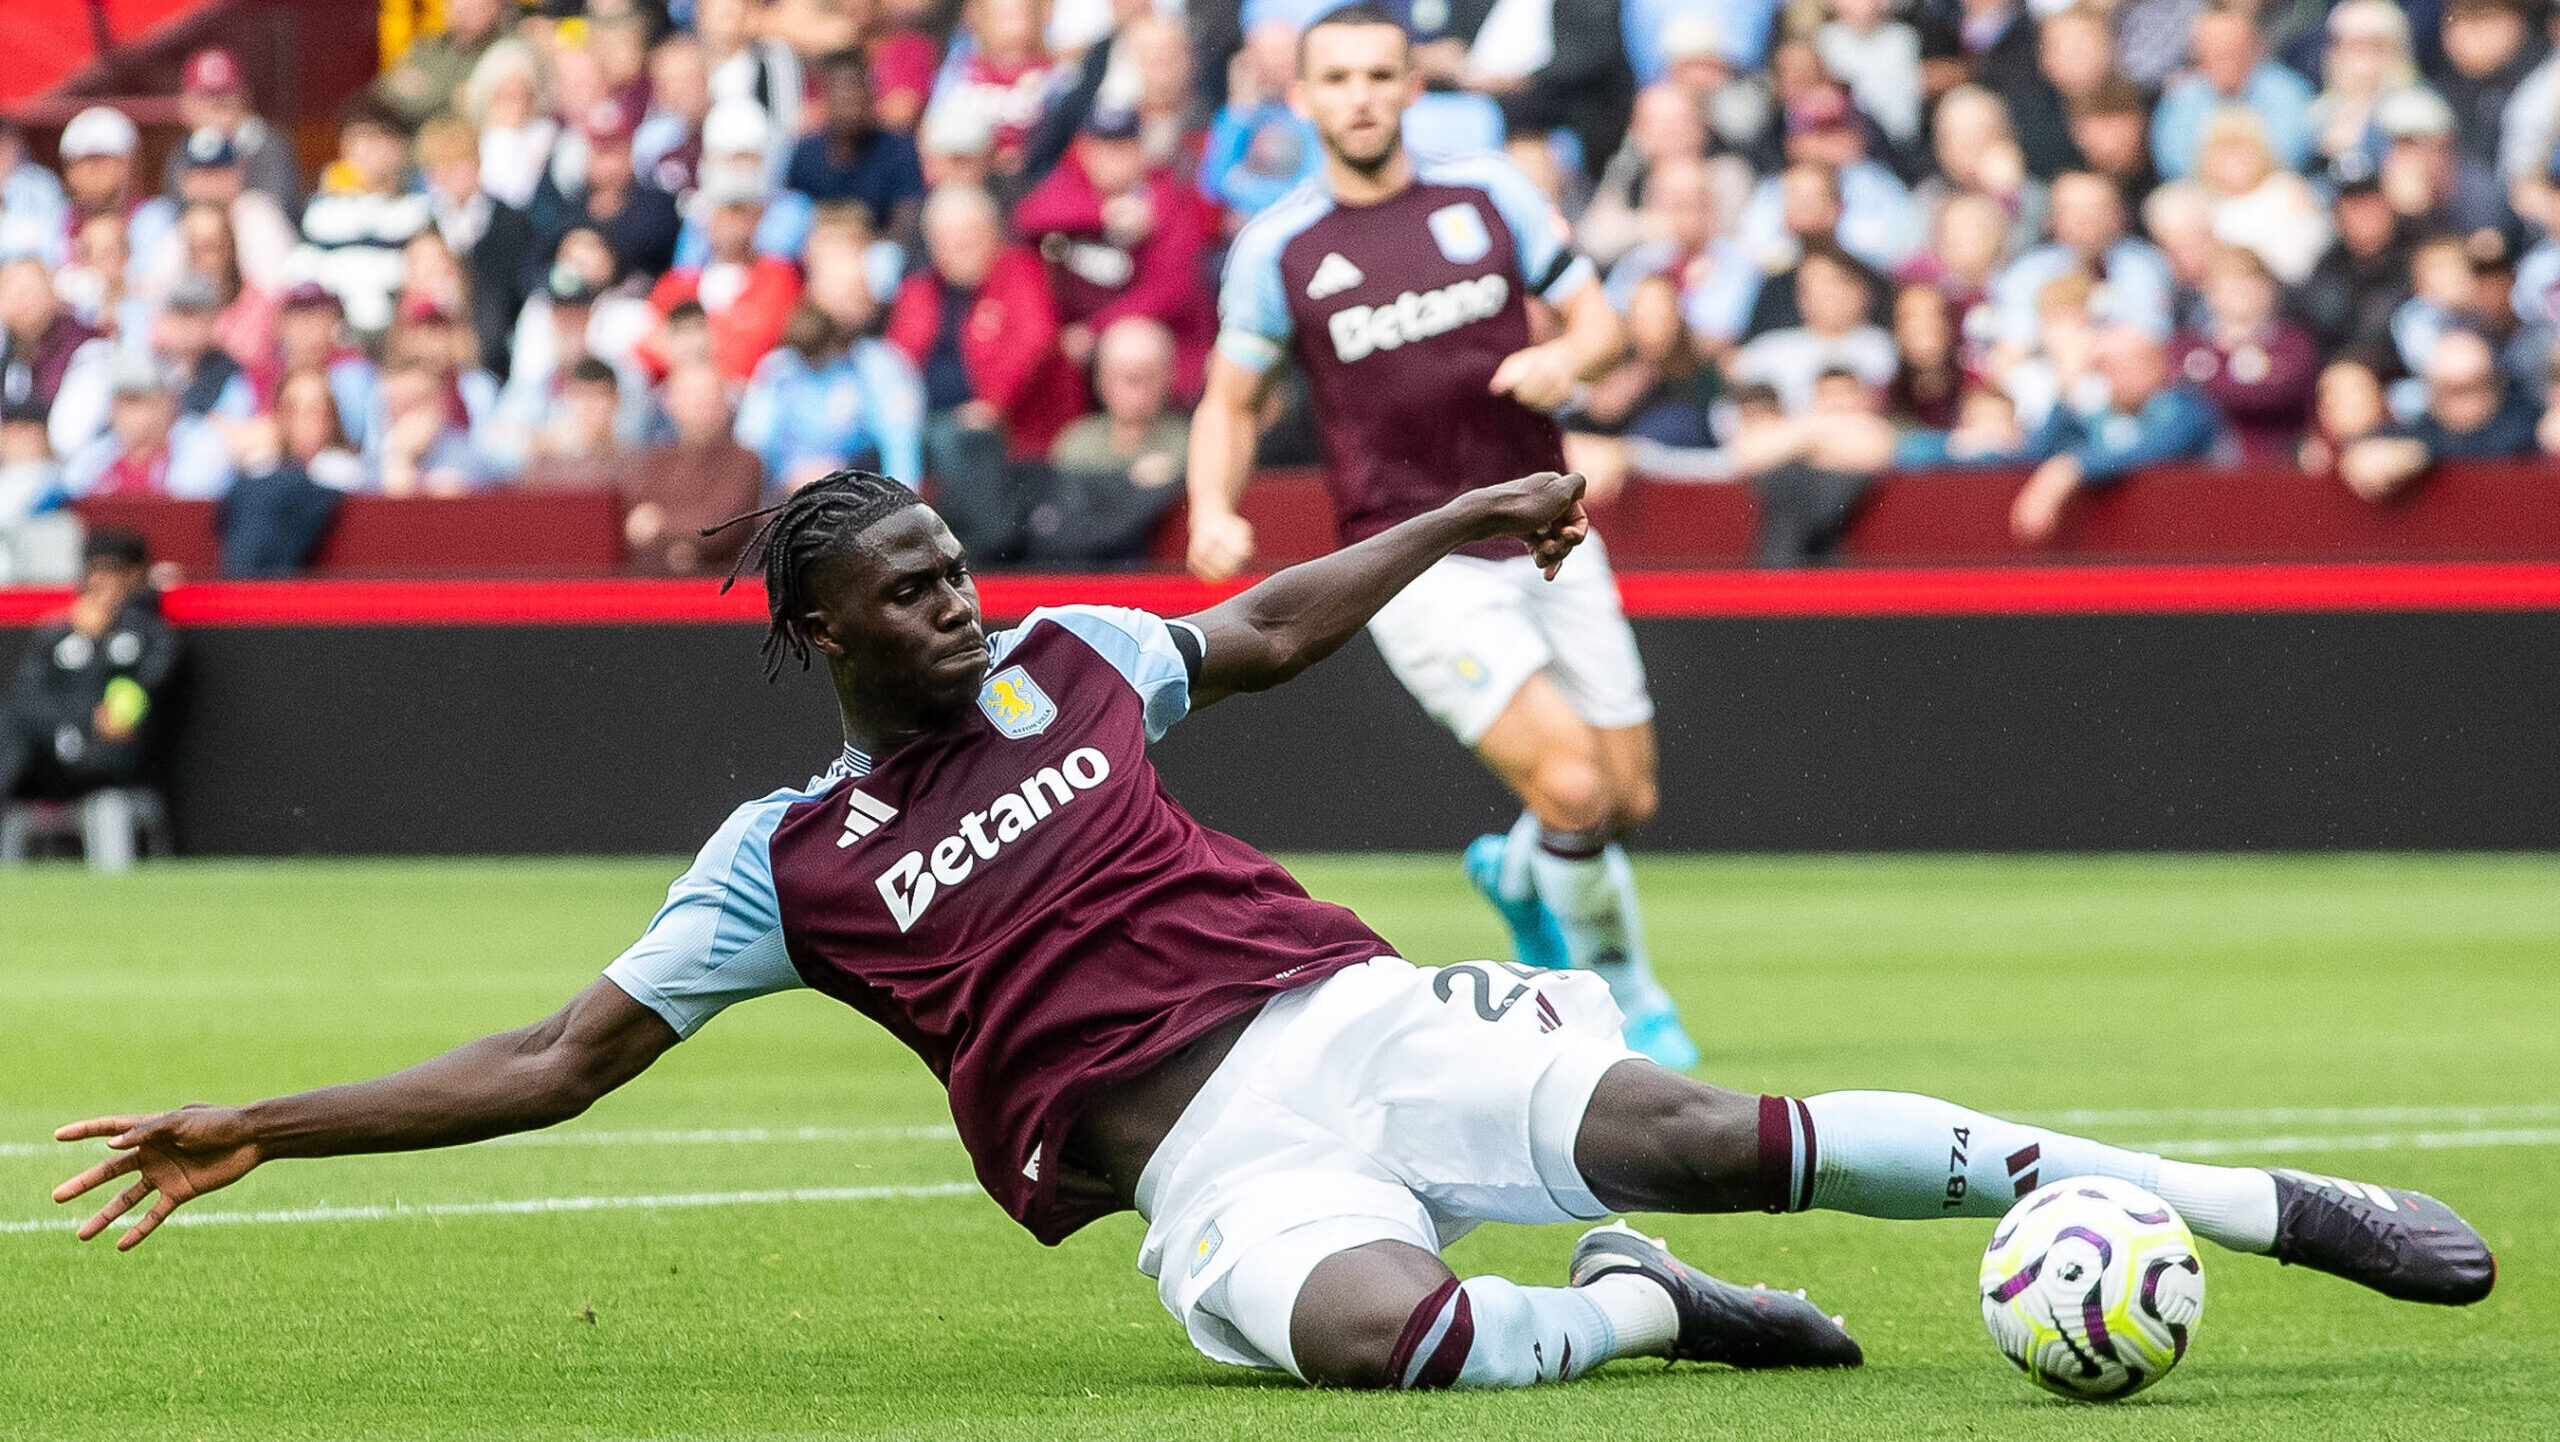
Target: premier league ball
x: 2092, y: 1287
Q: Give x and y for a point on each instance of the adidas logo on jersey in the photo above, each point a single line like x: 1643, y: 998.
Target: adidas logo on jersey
x: 1361, y: 329
x: 1333, y: 276
x: 862, y: 816
x: 912, y: 882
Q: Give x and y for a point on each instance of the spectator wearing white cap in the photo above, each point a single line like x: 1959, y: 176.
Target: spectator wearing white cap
x: 33, y: 209
x: 2426, y: 176
x: 746, y: 65
x: 738, y: 142
x: 745, y: 296
x: 213, y: 94
x: 98, y: 170
x: 958, y: 147
x: 151, y: 446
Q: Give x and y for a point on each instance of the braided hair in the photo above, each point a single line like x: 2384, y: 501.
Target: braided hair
x: 819, y: 520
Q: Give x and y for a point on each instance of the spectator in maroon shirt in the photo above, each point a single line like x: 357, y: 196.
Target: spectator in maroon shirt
x: 1122, y: 239
x: 40, y: 341
x: 2255, y: 366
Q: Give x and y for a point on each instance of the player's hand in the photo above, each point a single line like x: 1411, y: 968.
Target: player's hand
x: 1544, y: 510
x: 181, y: 1155
x: 1220, y: 545
x: 1539, y: 377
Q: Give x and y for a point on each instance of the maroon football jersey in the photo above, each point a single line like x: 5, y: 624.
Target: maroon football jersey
x: 1020, y: 902
x: 1399, y: 313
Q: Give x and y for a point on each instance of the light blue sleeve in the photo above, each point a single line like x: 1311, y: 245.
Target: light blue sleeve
x: 1138, y: 644
x: 896, y: 409
x: 1539, y: 234
x: 1253, y: 305
x: 718, y: 940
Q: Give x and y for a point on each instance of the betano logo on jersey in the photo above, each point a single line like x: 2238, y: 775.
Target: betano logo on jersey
x: 911, y: 884
x: 1362, y: 329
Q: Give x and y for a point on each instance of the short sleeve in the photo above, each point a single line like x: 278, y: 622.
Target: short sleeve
x: 1549, y: 265
x: 718, y: 940
x: 1147, y: 650
x: 1253, y: 304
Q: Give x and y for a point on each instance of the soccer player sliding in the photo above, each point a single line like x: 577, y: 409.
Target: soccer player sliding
x: 1401, y: 285
x: 1133, y: 1011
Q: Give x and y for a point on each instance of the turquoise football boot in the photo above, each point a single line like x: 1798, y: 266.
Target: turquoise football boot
x: 1535, y: 937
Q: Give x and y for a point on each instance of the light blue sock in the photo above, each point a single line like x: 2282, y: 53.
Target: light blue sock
x: 1493, y: 1332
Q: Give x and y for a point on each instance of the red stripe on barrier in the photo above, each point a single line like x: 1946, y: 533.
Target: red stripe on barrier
x: 1986, y: 591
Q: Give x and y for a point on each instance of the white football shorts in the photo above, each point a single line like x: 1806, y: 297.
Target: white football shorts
x: 1388, y: 1102
x: 1467, y: 634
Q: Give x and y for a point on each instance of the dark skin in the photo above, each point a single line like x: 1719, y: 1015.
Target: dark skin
x: 896, y: 619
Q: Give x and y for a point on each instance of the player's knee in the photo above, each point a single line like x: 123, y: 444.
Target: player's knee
x: 1569, y: 794
x: 1353, y: 1346
x: 1355, y: 1309
x: 1638, y: 798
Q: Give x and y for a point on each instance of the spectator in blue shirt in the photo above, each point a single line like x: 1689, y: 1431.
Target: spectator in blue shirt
x: 2147, y: 420
x: 851, y: 159
x: 1258, y: 148
x: 2229, y: 70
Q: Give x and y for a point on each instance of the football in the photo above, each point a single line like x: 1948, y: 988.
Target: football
x: 2092, y: 1287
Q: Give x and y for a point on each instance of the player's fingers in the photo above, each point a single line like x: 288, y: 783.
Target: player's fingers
x: 107, y: 1170
x: 122, y: 1203
x: 95, y: 1127
x: 150, y: 1223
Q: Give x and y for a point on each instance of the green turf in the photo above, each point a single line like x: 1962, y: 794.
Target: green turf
x: 2180, y: 987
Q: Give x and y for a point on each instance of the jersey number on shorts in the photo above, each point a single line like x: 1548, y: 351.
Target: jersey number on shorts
x: 1447, y: 982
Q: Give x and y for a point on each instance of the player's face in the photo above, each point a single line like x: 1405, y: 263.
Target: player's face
x: 1354, y: 82
x: 901, y: 615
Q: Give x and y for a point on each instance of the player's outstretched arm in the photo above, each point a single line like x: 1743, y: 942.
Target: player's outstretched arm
x: 1223, y: 434
x: 513, y: 1081
x: 1301, y: 615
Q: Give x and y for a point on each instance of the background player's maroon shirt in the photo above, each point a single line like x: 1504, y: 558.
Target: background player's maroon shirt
x: 1399, y: 313
x: 1020, y: 902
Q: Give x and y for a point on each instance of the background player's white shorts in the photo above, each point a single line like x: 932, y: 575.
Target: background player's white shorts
x: 1468, y: 632
x: 1389, y: 1102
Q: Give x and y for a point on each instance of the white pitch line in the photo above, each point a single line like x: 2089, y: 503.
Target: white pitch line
x: 2369, y: 1142
x: 2294, y: 1116
x: 699, y: 1137
x: 528, y: 1206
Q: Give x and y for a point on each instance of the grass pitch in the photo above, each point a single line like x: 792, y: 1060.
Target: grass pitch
x: 2394, y: 1018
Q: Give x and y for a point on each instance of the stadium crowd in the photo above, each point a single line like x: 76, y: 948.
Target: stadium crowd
x: 702, y: 253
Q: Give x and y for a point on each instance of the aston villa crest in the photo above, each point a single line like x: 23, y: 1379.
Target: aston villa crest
x: 1016, y: 705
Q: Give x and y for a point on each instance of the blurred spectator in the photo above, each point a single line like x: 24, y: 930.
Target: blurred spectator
x: 2230, y: 71
x: 1665, y: 129
x: 904, y: 58
x: 1809, y: 471
x: 1122, y: 239
x: 745, y: 64
x: 1712, y: 281
x: 1969, y: 242
x: 2257, y: 368
x: 151, y: 447
x: 740, y: 145
x: 1878, y: 58
x: 2547, y: 431
x: 673, y: 492
x: 213, y: 95
x: 294, y: 468
x: 2350, y: 296
x: 2366, y: 60
x: 310, y: 335
x: 1997, y: 44
x: 667, y: 145
x: 2179, y: 220
x: 421, y: 446
x: 579, y: 447
x: 490, y: 242
x: 998, y: 69
x: 1836, y: 294
x: 431, y: 329
x: 429, y: 79
x: 208, y: 172
x: 745, y: 296
x: 637, y: 220
x: 2089, y: 237
x: 2489, y: 48
x: 554, y: 338
x: 958, y: 148
x: 2529, y: 133
x: 354, y: 228
x: 515, y: 135
x: 979, y: 323
x: 1928, y: 377
x: 1259, y: 148
x: 2347, y: 408
x: 206, y: 380
x: 1877, y: 223
x: 2111, y: 128
x: 1659, y: 396
x: 34, y: 211
x: 1977, y: 155
x: 208, y: 248
x: 1114, y: 474
x: 2076, y: 53
x: 85, y: 710
x: 849, y: 158
x: 2445, y: 296
x: 833, y: 394
x: 2472, y: 413
x: 1734, y: 99
x: 2149, y: 417
x: 98, y: 175
x: 2427, y: 178
x: 1985, y: 433
x: 2257, y: 205
x: 94, y: 286
x: 39, y: 543
x: 44, y: 350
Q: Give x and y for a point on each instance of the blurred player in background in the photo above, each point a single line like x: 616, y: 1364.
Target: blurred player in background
x: 1401, y: 285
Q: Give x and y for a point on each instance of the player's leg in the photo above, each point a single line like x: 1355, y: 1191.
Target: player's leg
x: 1652, y: 1140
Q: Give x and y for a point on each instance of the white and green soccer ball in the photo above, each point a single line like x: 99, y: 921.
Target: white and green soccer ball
x: 2092, y: 1287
